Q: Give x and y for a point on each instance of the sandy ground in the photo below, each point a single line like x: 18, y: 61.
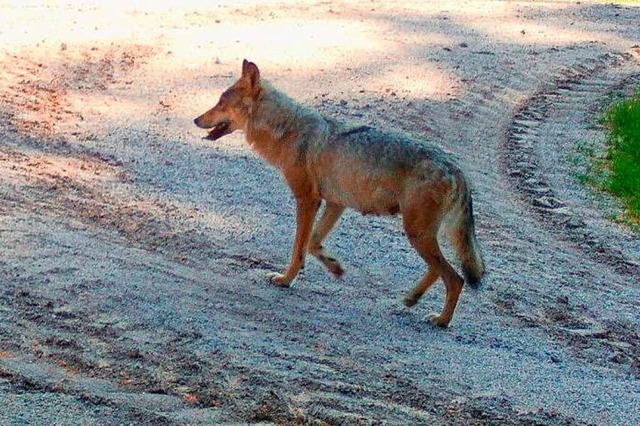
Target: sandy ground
x: 133, y: 253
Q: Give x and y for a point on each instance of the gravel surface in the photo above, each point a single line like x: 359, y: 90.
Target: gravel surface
x: 134, y: 253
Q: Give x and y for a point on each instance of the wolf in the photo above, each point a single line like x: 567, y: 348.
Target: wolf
x: 345, y: 165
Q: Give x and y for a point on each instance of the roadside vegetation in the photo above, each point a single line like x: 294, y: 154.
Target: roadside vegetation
x: 617, y: 169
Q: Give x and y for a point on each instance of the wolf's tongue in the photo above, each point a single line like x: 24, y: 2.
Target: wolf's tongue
x: 218, y: 131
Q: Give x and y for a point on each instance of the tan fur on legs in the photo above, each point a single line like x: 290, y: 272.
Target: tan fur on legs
x: 332, y: 213
x: 421, y: 226
x: 429, y: 250
x: 424, y: 284
x: 453, y: 287
x: 305, y: 213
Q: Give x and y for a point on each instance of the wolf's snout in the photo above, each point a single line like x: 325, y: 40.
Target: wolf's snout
x: 202, y: 123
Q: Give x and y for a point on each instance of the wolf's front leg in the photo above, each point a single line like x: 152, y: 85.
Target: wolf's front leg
x: 306, y: 210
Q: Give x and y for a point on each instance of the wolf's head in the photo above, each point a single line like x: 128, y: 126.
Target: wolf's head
x: 232, y: 110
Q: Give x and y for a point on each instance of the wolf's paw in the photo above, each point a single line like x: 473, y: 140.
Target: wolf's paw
x: 278, y: 279
x: 332, y: 264
x: 438, y: 321
x: 335, y: 268
x: 410, y: 301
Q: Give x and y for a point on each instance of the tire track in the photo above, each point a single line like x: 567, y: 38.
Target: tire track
x: 543, y: 131
x: 578, y: 88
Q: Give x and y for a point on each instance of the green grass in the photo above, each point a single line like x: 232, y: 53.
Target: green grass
x: 623, y: 154
x: 616, y: 168
x: 617, y: 171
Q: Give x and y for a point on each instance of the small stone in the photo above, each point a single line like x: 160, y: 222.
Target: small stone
x: 573, y: 223
x: 133, y: 354
x: 624, y: 346
x: 541, y: 189
x: 564, y: 211
x: 547, y: 202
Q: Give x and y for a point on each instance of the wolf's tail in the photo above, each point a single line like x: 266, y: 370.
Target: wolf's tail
x: 463, y: 237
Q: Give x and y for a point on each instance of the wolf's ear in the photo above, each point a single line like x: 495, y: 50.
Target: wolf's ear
x: 251, y: 72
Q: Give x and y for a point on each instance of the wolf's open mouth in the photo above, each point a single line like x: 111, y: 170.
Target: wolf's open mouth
x: 219, y: 131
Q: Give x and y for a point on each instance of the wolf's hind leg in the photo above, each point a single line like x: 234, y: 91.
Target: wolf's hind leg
x: 421, y: 221
x: 332, y: 213
x: 427, y: 247
x: 427, y: 281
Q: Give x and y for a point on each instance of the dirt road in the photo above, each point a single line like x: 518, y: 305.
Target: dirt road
x: 133, y: 253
